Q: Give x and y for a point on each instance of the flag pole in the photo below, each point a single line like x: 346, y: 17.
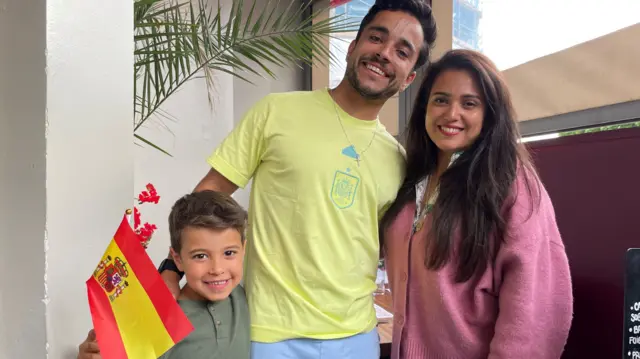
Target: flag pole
x: 128, y: 213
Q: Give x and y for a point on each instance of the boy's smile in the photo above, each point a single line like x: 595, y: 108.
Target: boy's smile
x: 217, y: 285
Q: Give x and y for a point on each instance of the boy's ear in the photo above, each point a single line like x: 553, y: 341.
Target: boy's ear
x: 176, y: 259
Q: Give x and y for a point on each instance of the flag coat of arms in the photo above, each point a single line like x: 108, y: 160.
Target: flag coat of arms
x: 134, y: 314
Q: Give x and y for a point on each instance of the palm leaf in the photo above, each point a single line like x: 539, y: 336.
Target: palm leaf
x: 179, y: 40
x: 144, y: 140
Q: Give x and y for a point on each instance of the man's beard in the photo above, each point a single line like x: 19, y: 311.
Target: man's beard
x: 368, y: 93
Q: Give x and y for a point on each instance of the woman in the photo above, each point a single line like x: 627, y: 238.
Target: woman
x: 476, y: 263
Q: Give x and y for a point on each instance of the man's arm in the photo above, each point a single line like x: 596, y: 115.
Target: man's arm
x: 213, y: 181
x: 233, y: 164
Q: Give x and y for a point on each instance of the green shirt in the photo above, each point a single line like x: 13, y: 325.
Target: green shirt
x: 221, y: 329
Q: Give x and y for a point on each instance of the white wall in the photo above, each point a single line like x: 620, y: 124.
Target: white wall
x: 195, y: 129
x: 89, y: 153
x: 67, y: 159
x: 22, y: 178
x: 66, y: 163
x: 192, y: 136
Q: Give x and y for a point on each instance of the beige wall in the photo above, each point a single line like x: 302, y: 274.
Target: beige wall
x: 596, y: 73
x: 443, y: 12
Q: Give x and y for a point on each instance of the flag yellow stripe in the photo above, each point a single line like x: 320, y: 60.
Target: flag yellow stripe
x: 143, y: 332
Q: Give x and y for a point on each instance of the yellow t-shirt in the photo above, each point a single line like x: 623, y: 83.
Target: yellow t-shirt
x: 312, y: 247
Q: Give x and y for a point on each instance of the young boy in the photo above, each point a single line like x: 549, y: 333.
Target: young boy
x: 207, y: 244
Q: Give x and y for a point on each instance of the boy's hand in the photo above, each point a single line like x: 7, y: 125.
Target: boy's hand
x: 172, y: 281
x: 89, y: 348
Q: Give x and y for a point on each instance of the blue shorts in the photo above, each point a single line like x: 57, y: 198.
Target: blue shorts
x: 360, y: 346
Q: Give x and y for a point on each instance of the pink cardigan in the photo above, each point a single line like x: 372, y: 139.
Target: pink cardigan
x: 521, y: 309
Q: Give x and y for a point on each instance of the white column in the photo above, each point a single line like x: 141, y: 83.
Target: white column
x: 66, y: 163
x: 89, y: 153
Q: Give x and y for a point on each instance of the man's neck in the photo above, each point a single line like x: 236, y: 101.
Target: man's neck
x: 354, y: 104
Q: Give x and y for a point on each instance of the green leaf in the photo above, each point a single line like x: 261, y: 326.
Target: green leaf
x: 151, y: 144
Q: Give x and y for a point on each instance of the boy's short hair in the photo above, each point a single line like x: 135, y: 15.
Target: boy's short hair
x: 419, y: 9
x: 205, y: 209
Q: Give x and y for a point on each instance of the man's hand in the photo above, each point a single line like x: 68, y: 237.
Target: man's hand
x: 172, y: 280
x: 89, y: 348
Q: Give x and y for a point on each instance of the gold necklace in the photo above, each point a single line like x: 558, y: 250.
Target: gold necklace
x: 427, y: 206
x: 353, y: 147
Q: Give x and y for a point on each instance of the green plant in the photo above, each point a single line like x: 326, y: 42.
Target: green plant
x: 179, y: 41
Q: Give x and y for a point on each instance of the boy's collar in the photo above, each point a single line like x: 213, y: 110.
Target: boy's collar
x: 185, y: 297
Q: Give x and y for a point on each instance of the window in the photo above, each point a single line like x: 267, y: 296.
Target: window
x: 354, y: 10
x: 466, y: 21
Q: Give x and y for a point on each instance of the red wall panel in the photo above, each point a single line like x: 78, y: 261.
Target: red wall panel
x: 594, y: 183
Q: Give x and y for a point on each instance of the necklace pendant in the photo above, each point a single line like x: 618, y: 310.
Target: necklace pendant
x: 419, y: 225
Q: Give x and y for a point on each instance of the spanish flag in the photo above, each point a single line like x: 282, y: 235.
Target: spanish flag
x: 134, y: 314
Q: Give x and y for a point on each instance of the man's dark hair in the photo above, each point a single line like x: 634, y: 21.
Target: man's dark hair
x: 205, y: 209
x: 420, y: 9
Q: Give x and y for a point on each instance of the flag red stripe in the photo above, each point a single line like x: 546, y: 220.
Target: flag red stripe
x: 104, y: 322
x: 129, y: 243
x: 334, y: 3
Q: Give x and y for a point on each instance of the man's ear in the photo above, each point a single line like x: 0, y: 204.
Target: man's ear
x: 352, y: 46
x: 409, y: 80
x: 177, y: 259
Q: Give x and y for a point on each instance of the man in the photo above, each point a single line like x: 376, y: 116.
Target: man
x: 324, y: 170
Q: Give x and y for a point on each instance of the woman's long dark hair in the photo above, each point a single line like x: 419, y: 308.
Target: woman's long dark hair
x: 475, y: 188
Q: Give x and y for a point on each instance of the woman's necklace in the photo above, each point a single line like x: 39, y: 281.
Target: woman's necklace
x: 427, y: 205
x: 352, y: 146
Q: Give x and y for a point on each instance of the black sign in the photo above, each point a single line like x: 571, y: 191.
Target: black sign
x: 631, y: 333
